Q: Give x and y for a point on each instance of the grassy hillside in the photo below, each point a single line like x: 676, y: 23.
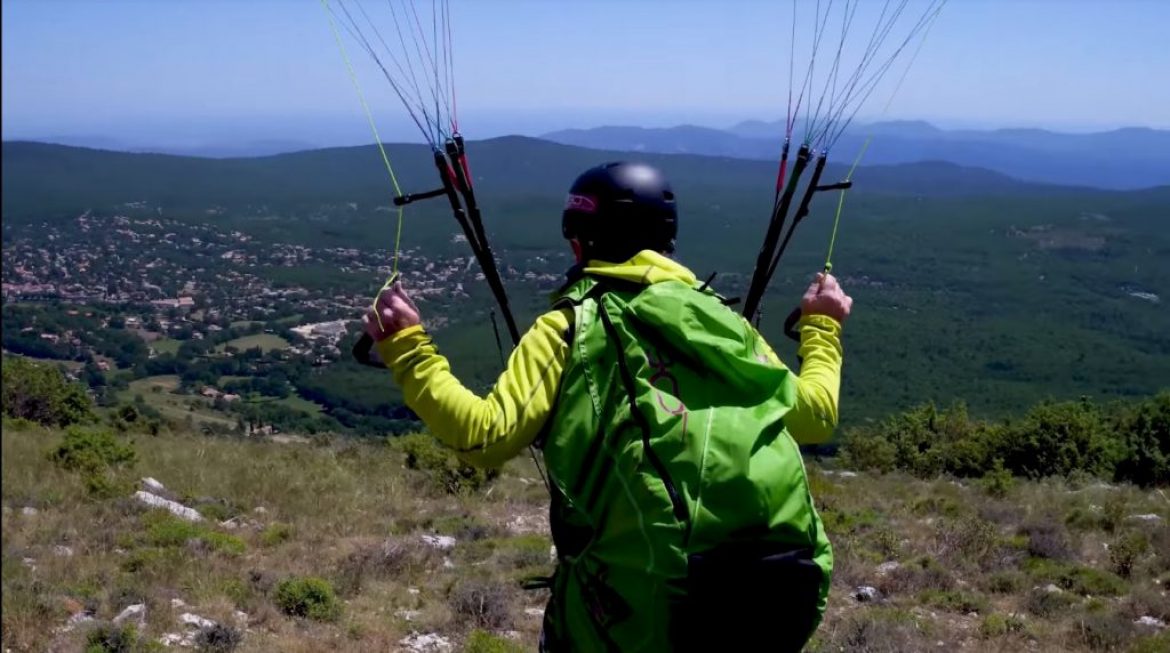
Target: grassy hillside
x: 1052, y: 566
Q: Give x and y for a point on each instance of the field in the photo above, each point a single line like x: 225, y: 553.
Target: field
x: 265, y: 341
x: 921, y: 565
x: 166, y: 345
x: 158, y: 393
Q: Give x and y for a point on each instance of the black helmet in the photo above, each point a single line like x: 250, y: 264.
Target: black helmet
x: 618, y: 209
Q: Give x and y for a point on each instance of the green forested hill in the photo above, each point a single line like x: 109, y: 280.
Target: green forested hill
x: 968, y: 284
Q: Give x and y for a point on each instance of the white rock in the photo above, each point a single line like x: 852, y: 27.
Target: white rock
x: 194, y: 620
x: 1151, y: 622
x: 75, y: 621
x: 440, y: 542
x: 428, y: 643
x: 175, y: 639
x: 447, y: 564
x: 175, y: 508
x: 511, y: 634
x: 135, y: 613
x: 408, y: 615
x: 413, y: 590
x: 241, y: 617
x: 28, y: 511
x: 534, y: 612
x: 260, y: 510
x: 865, y: 594
x: 888, y: 567
x: 526, y: 524
x: 847, y: 474
x: 31, y: 563
x: 1150, y: 517
x: 151, y: 485
x: 178, y: 603
x: 63, y: 551
x: 1053, y: 589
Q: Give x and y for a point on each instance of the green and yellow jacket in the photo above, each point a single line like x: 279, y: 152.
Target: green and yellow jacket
x: 669, y: 428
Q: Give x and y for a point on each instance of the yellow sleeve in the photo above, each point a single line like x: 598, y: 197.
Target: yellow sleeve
x: 484, y: 431
x: 818, y: 386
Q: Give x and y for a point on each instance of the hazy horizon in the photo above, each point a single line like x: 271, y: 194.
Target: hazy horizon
x: 208, y: 72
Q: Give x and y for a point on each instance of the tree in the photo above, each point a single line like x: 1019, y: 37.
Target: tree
x: 42, y: 394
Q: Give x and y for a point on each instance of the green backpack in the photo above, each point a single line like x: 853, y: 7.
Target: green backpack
x: 680, y: 511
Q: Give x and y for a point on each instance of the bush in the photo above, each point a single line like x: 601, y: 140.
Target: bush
x: 1056, y: 439
x: 1044, y: 603
x: 1126, y: 551
x: 1105, y: 631
x: 108, y: 638
x: 1146, y: 431
x: 444, y: 468
x: 1005, y: 582
x: 276, y: 533
x: 485, y: 604
x: 92, y: 449
x: 1047, y: 538
x: 219, y: 638
x: 40, y: 393
x: 997, y: 482
x: 1085, y: 581
x: 165, y: 530
x: 99, y: 456
x: 881, y: 630
x: 312, y: 598
x: 998, y: 625
x: 378, y: 560
x: 1127, y: 442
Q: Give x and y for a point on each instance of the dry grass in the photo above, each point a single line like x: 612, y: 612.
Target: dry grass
x: 351, y: 513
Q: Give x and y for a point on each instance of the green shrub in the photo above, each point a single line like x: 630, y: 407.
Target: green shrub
x: 1005, y: 582
x: 312, y: 598
x: 998, y: 625
x: 108, y: 638
x: 1056, y: 439
x: 42, y: 394
x: 165, y: 530
x: 1146, y: 432
x: 1128, y: 442
x: 997, y: 481
x: 276, y: 533
x: 868, y: 450
x: 1127, y: 550
x: 484, y: 642
x: 1044, y: 603
x: 444, y: 468
x: 1078, y: 579
x: 91, y: 449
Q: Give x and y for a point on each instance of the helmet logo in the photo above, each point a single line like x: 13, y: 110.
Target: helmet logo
x: 581, y: 203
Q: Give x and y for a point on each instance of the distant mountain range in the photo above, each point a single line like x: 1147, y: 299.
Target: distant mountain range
x: 212, y: 150
x: 41, y: 178
x: 1127, y: 158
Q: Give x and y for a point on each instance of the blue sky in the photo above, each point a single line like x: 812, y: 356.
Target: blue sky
x: 187, y: 71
